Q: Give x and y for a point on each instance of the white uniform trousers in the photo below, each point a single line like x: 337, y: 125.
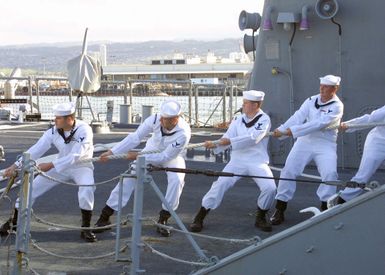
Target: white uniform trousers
x: 301, y: 154
x: 174, y: 187
x: 214, y: 196
x: 81, y: 175
x: 372, y: 157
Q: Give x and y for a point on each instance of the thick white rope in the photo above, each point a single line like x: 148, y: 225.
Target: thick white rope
x: 357, y: 126
x: 361, y: 126
x: 124, y: 156
x: 196, y: 145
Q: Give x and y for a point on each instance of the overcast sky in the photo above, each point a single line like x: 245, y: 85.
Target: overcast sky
x: 46, y: 21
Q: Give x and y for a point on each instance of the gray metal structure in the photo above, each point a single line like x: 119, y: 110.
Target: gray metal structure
x: 298, y: 42
x: 136, y: 243
x: 290, y: 57
x: 347, y: 239
x: 24, y: 217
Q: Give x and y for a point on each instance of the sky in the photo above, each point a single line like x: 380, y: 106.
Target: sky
x: 51, y: 21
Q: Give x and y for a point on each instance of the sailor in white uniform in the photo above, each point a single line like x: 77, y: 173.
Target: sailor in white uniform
x: 247, y: 137
x: 170, y: 134
x: 374, y: 151
x: 73, y: 140
x: 313, y: 143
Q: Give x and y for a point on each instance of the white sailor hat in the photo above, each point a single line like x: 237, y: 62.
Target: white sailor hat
x: 253, y: 95
x: 170, y: 108
x: 330, y: 79
x: 64, y: 109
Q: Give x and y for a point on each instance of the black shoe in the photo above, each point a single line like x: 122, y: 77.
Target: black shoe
x: 340, y: 200
x: 101, y: 223
x: 261, y: 222
x: 10, y: 225
x: 88, y: 236
x: 163, y: 218
x: 324, y: 206
x: 278, y: 216
x: 104, y: 219
x: 5, y: 229
x: 164, y: 232
x: 197, y: 224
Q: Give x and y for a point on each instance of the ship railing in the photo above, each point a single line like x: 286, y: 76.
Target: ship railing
x: 203, y: 104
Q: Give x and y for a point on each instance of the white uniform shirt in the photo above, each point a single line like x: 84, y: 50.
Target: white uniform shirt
x: 377, y: 116
x: 308, y: 121
x: 79, y: 147
x: 248, y: 143
x: 170, y: 143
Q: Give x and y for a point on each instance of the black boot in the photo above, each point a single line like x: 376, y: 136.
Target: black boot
x: 10, y: 225
x: 340, y: 200
x: 104, y: 219
x: 261, y: 222
x: 324, y: 206
x: 197, y: 224
x: 163, y: 217
x: 278, y: 216
x: 87, y: 235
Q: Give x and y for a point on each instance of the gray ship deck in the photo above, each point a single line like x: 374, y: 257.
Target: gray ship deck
x: 233, y: 219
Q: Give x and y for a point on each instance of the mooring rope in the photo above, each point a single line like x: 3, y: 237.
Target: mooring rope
x: 357, y: 126
x: 147, y: 152
x: 334, y: 126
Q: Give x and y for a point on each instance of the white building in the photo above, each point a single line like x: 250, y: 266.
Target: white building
x: 103, y: 55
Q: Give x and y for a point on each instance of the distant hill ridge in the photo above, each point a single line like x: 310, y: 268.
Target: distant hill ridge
x: 53, y: 56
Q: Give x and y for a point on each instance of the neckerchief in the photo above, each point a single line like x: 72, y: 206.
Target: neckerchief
x: 321, y: 105
x: 166, y: 134
x: 69, y: 138
x: 252, y: 122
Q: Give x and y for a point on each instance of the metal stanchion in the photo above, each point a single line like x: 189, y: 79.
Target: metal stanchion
x: 24, y: 217
x: 190, y: 95
x: 136, y: 242
x: 119, y: 217
x: 196, y: 107
x: 178, y: 221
